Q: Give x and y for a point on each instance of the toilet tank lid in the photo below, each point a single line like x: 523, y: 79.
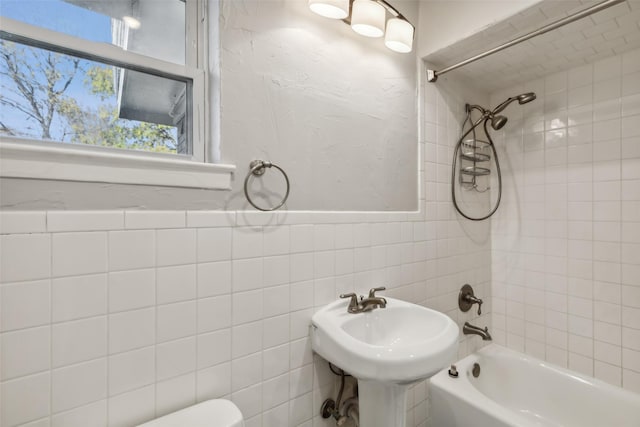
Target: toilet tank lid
x: 212, y: 413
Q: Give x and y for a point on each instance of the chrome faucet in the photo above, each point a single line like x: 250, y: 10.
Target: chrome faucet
x: 469, y: 329
x: 365, y: 304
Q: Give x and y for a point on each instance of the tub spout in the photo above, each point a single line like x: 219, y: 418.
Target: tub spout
x: 469, y: 329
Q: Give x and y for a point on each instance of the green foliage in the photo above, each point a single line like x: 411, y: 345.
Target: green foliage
x: 35, y: 85
x: 99, y: 80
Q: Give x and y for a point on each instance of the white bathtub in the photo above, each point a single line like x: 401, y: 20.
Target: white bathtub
x: 520, y: 391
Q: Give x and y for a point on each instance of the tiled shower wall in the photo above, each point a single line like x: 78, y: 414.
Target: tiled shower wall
x: 111, y: 318
x: 566, y: 242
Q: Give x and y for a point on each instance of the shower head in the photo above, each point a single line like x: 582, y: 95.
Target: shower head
x: 526, y: 98
x: 522, y: 99
x: 497, y: 122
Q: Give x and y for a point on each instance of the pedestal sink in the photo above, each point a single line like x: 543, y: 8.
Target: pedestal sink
x: 386, y: 350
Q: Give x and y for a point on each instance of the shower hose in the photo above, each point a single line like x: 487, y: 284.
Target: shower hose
x: 484, y: 119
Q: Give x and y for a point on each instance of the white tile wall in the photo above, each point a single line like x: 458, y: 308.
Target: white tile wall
x: 128, y: 315
x: 566, y: 274
x: 607, y: 33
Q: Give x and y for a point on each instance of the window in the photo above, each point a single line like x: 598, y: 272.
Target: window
x: 117, y: 82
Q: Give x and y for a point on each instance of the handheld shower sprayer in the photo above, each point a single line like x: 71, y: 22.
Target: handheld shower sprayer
x: 522, y: 99
x: 497, y: 122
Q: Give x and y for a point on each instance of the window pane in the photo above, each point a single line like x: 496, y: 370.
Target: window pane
x: 154, y: 28
x: 60, y: 98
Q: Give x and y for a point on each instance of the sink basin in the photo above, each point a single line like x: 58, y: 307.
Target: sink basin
x: 385, y: 349
x: 401, y: 343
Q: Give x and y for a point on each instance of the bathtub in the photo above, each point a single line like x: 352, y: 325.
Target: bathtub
x: 516, y: 390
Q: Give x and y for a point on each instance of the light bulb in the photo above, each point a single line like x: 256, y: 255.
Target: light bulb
x: 334, y: 9
x: 131, y: 22
x: 368, y: 18
x: 399, y: 36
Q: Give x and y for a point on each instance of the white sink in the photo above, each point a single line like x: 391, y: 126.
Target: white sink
x: 385, y: 349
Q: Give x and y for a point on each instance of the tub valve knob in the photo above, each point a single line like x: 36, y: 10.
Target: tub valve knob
x: 453, y: 371
x: 466, y: 299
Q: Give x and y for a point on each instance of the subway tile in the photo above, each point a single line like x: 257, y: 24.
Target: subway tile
x: 206, y: 219
x: 96, y: 412
x: 302, y: 238
x: 78, y: 341
x: 630, y: 105
x: 130, y: 250
x: 275, y: 361
x: 275, y: 392
x: 275, y: 331
x: 247, y: 339
x: 175, y: 393
x: 25, y: 352
x: 247, y: 242
x: 631, y: 317
x: 137, y: 406
x: 630, y: 127
x: 214, y: 244
x: 176, y: 284
x: 247, y: 274
x: 175, y: 358
x: 247, y: 371
x: 25, y: 305
x: 25, y: 257
x: 66, y: 221
x: 154, y: 219
x: 277, y: 240
x: 631, y: 338
x: 301, y: 381
x: 276, y: 301
x: 213, y: 279
x: 175, y: 321
x: 323, y: 237
x: 276, y: 270
x: 611, y: 374
x: 129, y: 290
x: 247, y: 306
x: 213, y: 348
x: 631, y: 380
x: 77, y: 297
x: 214, y: 313
x: 176, y: 247
x: 131, y: 370
x: 131, y: 329
x: 631, y: 83
x: 213, y: 382
x: 25, y: 399
x: 79, y: 253
x: 17, y: 222
x: 78, y: 385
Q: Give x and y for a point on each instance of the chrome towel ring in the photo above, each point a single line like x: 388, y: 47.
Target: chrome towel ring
x: 258, y: 168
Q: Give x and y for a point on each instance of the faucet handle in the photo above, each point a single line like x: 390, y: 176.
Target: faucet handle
x: 372, y: 291
x: 353, y: 303
x: 353, y: 296
x: 466, y: 299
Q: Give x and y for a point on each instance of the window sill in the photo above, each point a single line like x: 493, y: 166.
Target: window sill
x: 36, y: 161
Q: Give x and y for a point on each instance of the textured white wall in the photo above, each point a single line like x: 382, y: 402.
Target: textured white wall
x: 462, y: 18
x: 566, y: 242
x: 337, y: 111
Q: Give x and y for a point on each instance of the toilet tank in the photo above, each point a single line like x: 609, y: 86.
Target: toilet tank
x: 212, y: 413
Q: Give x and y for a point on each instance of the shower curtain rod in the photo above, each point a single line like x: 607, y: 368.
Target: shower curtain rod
x: 432, y: 75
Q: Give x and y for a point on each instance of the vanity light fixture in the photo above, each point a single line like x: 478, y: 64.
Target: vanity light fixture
x: 369, y: 18
x: 131, y: 22
x: 334, y: 9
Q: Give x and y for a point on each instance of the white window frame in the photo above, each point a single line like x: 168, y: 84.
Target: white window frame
x: 20, y: 158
